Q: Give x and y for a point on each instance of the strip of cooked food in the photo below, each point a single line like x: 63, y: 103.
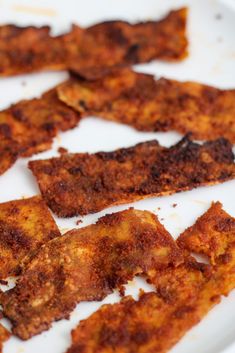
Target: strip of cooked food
x: 93, y: 50
x: 28, y: 49
x: 84, y: 183
x: 184, y: 295
x: 213, y: 235
x: 4, y: 336
x: 29, y: 126
x: 143, y: 325
x: 86, y: 264
x: 24, y: 226
x: 8, y: 153
x: 118, y: 43
x: 148, y: 104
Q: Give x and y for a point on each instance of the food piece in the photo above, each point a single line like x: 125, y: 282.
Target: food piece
x: 84, y: 183
x: 153, y: 323
x: 86, y: 264
x: 92, y: 51
x: 24, y: 226
x: 118, y: 43
x: 28, y: 49
x: 4, y: 336
x: 8, y: 153
x: 213, y: 235
x: 148, y: 104
x: 184, y: 295
x: 29, y: 126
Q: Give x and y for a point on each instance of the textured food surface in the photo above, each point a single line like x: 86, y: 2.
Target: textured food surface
x: 28, y: 49
x: 86, y: 264
x: 118, y: 43
x: 29, y: 126
x: 213, y: 235
x: 25, y: 225
x: 8, y: 153
x: 4, y: 336
x: 148, y: 104
x: 86, y: 183
x: 184, y: 294
x: 92, y: 51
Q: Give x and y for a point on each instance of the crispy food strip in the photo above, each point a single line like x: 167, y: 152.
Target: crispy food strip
x: 8, y: 153
x: 29, y: 126
x: 86, y: 264
x: 118, y: 43
x: 86, y: 183
x: 92, y: 51
x: 4, y: 336
x: 24, y: 226
x: 213, y: 235
x: 184, y: 295
x: 148, y: 104
x: 29, y: 49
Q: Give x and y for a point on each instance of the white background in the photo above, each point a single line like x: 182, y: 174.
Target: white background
x: 211, y: 60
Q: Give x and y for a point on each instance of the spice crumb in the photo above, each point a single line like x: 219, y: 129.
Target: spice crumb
x: 174, y: 205
x: 122, y: 291
x: 62, y: 150
x: 79, y: 221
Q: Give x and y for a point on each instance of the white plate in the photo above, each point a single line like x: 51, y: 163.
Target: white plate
x: 212, y: 60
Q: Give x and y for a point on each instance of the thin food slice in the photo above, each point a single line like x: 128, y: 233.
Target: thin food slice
x: 86, y: 183
x: 29, y: 126
x: 118, y: 43
x: 213, y: 235
x: 29, y: 49
x: 86, y: 264
x: 94, y: 50
x: 184, y: 295
x: 25, y: 225
x: 147, y: 104
x: 8, y: 153
x: 4, y: 336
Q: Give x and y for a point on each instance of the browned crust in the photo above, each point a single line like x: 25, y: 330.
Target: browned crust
x: 213, y: 235
x: 92, y: 51
x: 25, y: 225
x: 86, y: 183
x: 4, y: 336
x: 118, y: 43
x: 29, y: 126
x: 29, y: 49
x: 8, y: 153
x: 184, y: 295
x: 86, y: 264
x: 148, y: 104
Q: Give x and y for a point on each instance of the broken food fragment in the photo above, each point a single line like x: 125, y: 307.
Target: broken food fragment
x: 118, y: 43
x: 84, y: 183
x: 213, y: 235
x: 29, y: 49
x: 184, y: 295
x: 153, y: 323
x: 86, y: 264
x: 25, y: 225
x: 147, y: 104
x: 8, y: 153
x: 29, y: 126
x: 92, y: 51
